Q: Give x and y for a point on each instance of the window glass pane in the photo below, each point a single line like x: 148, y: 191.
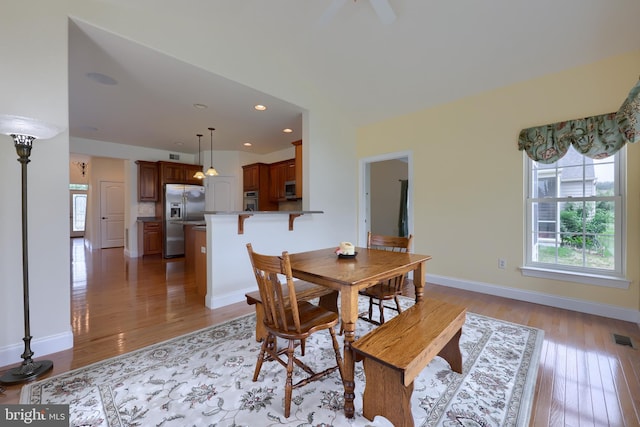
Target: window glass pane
x: 79, y: 211
x: 572, y: 220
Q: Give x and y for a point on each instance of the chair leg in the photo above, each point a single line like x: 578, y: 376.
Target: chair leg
x: 397, y: 304
x: 302, y: 346
x: 263, y: 349
x: 370, y: 308
x: 336, y: 349
x: 289, y: 383
x: 381, y: 305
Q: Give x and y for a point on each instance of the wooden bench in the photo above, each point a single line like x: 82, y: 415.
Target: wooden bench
x: 395, y: 353
x: 305, y: 291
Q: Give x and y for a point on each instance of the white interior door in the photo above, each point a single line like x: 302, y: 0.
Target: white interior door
x: 111, y: 214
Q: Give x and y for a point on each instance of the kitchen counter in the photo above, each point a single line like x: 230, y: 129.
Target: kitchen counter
x: 148, y: 219
x: 188, y: 222
x: 262, y: 212
x: 243, y: 215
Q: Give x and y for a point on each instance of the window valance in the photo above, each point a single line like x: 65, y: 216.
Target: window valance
x: 595, y: 137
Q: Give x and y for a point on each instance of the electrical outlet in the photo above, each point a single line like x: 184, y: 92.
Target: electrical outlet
x: 203, y: 249
x: 502, y: 263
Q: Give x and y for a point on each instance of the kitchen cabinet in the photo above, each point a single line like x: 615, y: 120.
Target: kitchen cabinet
x: 200, y: 261
x: 251, y: 176
x: 149, y: 237
x: 256, y: 177
x: 178, y: 173
x: 280, y: 172
x: 189, y: 171
x: 298, y: 162
x: 147, y: 181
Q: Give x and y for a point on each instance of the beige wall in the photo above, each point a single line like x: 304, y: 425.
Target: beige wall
x: 468, y: 179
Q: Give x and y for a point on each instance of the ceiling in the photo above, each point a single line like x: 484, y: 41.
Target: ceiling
x: 434, y: 52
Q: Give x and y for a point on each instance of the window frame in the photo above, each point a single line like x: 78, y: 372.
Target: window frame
x: 609, y: 278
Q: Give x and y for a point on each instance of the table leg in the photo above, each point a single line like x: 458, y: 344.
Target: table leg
x: 418, y: 280
x: 349, y: 317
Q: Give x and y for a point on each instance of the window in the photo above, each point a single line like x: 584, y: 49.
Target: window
x: 575, y: 223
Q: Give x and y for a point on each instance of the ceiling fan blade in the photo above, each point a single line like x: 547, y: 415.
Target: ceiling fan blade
x: 384, y: 11
x: 331, y: 11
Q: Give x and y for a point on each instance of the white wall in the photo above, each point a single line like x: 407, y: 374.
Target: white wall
x: 35, y: 83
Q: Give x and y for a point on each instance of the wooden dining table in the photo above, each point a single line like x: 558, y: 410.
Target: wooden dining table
x: 348, y: 276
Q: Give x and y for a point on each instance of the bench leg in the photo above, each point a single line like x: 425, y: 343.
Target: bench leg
x: 451, y: 353
x: 386, y: 395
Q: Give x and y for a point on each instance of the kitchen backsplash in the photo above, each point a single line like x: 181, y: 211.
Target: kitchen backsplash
x: 146, y: 209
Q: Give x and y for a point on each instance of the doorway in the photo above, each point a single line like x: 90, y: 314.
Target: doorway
x: 111, y: 214
x: 78, y: 210
x: 386, y: 204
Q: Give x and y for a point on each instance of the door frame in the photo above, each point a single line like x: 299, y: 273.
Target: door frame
x: 364, y: 204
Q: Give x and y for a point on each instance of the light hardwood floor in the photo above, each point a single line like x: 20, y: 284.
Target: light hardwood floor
x: 120, y: 304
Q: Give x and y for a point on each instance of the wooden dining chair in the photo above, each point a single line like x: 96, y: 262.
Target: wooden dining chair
x: 387, y: 289
x: 286, y: 317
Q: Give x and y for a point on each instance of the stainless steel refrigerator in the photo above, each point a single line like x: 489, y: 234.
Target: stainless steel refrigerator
x: 182, y: 203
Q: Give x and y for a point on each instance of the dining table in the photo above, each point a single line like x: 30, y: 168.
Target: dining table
x: 348, y: 275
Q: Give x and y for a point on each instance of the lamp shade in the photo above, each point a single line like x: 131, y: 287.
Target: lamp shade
x: 17, y: 125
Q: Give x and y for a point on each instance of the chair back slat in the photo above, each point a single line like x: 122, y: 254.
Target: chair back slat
x: 392, y: 244
x: 280, y: 307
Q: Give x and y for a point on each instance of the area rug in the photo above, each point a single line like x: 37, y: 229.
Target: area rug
x: 205, y: 379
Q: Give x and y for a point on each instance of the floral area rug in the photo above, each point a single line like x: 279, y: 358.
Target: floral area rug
x: 205, y: 379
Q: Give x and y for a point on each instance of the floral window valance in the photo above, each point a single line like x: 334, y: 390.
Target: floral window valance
x: 595, y: 137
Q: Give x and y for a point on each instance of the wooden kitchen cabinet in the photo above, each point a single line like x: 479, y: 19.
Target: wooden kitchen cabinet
x: 200, y: 261
x: 251, y: 177
x: 298, y: 161
x: 150, y: 237
x: 280, y: 172
x: 147, y: 181
x: 189, y: 171
x: 172, y: 173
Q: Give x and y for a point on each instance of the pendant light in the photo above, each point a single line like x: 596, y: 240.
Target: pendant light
x: 199, y: 174
x: 211, y: 171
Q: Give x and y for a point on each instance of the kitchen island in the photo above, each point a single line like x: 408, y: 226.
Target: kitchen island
x: 229, y: 274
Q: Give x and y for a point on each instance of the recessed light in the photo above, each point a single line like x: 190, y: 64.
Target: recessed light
x: 287, y: 130
x: 247, y: 144
x: 260, y: 107
x: 200, y: 106
x: 179, y: 143
x: 102, y: 79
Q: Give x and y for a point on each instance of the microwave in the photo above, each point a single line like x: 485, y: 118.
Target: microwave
x: 290, y: 189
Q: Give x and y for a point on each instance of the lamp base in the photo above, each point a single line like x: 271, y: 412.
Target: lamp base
x: 26, y: 372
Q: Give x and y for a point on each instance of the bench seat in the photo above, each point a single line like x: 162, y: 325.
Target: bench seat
x: 395, y: 353
x: 305, y: 291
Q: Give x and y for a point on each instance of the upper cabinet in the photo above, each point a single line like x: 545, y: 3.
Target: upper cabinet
x: 256, y: 177
x: 153, y: 175
x: 178, y: 173
x: 281, y: 172
x: 147, y: 181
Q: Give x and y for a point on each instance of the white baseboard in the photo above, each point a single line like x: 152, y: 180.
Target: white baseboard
x: 10, y: 354
x: 228, y: 298
x: 582, y: 306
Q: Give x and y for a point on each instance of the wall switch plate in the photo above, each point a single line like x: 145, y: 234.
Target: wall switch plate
x: 203, y: 249
x: 502, y: 263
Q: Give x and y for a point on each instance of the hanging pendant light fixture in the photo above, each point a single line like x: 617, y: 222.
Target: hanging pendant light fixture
x: 211, y: 171
x: 199, y: 174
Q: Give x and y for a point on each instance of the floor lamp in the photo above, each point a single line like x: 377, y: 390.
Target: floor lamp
x: 24, y: 131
